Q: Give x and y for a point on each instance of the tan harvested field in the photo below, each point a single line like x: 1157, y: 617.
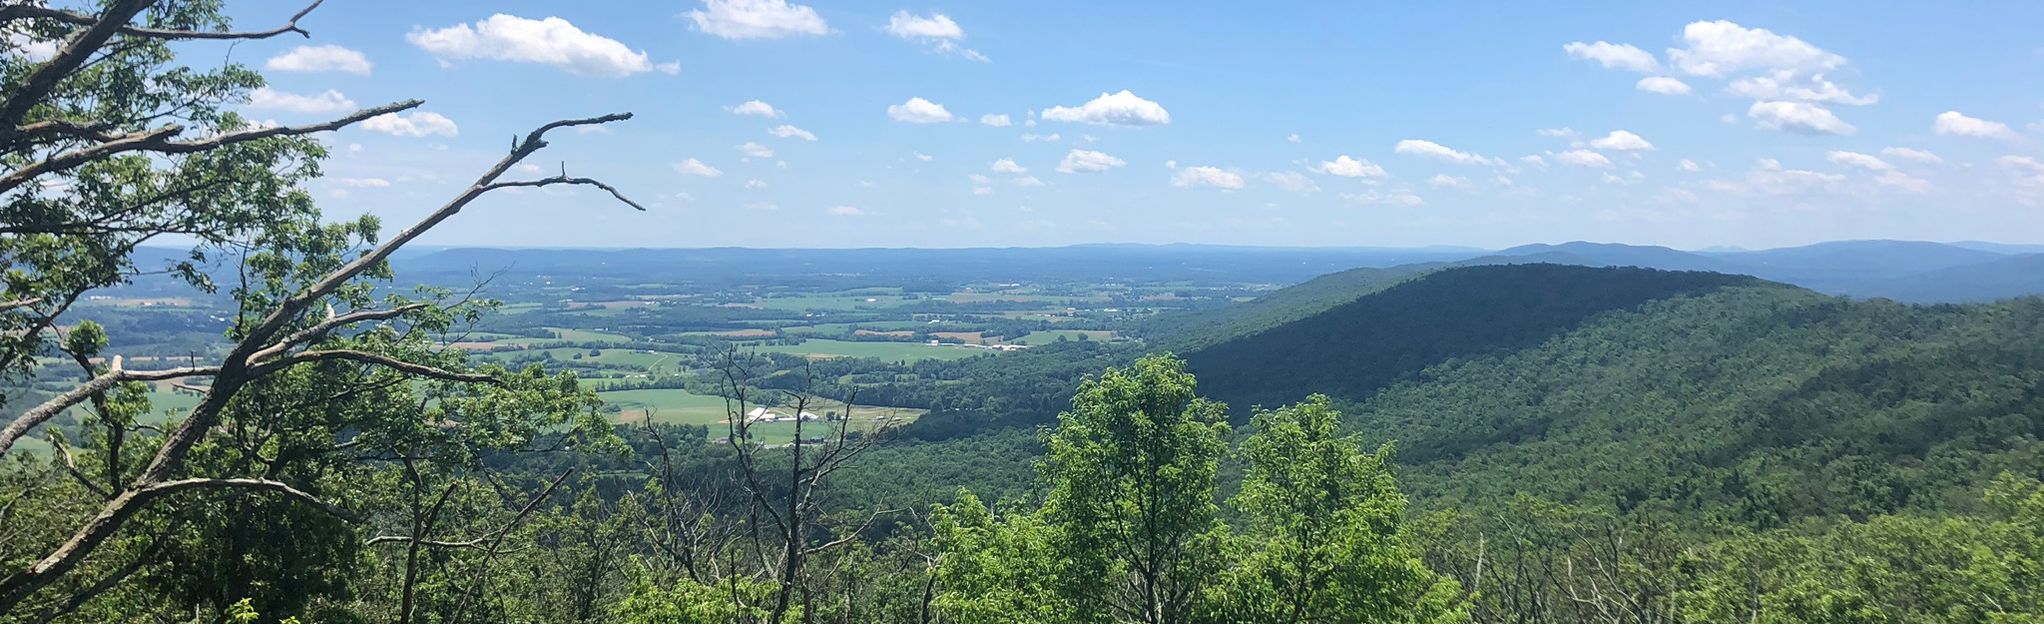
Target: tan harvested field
x: 966, y: 337
x: 903, y: 333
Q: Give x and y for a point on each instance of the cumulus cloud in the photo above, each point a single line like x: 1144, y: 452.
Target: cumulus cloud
x: 1007, y: 165
x: 935, y: 30
x: 1202, y: 176
x: 1614, y: 56
x: 1031, y: 137
x: 756, y: 108
x: 1026, y: 181
x: 329, y: 101
x: 1622, y: 141
x: 755, y: 150
x: 1662, y: 85
x: 1718, y: 48
x: 1958, y: 124
x: 998, y: 121
x: 411, y: 124
x: 1391, y: 198
x: 918, y: 110
x: 1789, y: 85
x: 1798, y: 117
x: 1902, y: 181
x: 1430, y: 149
x: 1112, y: 109
x: 1088, y: 161
x: 1292, y: 181
x: 362, y: 182
x: 790, y: 132
x: 1349, y: 168
x: 693, y: 167
x: 1582, y: 158
x: 551, y: 41
x: 757, y: 19
x: 1442, y: 180
x: 846, y: 211
x: 1917, y: 155
x: 320, y: 58
x: 1689, y: 166
x: 1856, y: 159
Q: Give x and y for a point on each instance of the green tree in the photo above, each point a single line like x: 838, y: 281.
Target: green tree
x: 1324, y: 540
x: 1131, y: 507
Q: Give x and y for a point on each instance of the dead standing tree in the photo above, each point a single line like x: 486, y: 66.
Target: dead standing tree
x: 43, y: 137
x: 785, y: 515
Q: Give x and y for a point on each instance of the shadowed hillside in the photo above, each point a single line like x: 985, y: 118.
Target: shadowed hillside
x: 1353, y: 349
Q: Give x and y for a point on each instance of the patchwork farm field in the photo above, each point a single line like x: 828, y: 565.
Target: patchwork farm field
x: 819, y: 348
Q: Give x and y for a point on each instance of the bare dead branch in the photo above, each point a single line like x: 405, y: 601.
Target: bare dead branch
x: 158, y: 141
x: 568, y: 180
x: 315, y: 332
x: 50, y: 409
x: 270, y: 366
x: 13, y: 12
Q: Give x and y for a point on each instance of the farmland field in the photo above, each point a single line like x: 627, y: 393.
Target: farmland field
x: 889, y: 351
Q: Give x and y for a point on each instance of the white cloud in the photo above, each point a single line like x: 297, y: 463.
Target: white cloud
x: 330, y: 101
x: 1214, y: 177
x: 1582, y: 158
x: 981, y: 190
x: 1026, y: 181
x: 1722, y: 47
x: 998, y: 121
x: 923, y: 157
x: 362, y: 182
x: 693, y: 167
x: 1393, y: 198
x: 1622, y: 141
x: 1088, y: 161
x: 1689, y: 166
x: 1534, y: 160
x: 918, y: 110
x: 411, y: 124
x: 1903, y: 181
x: 1031, y: 137
x: 1614, y: 56
x: 978, y: 178
x: 1292, y: 181
x: 1770, y: 178
x: 1430, y: 149
x: 1956, y: 123
x: 934, y: 26
x: 846, y: 211
x: 320, y: 58
x: 1856, y: 159
x: 755, y: 184
x: 528, y: 168
x: 1789, y: 85
x: 755, y: 150
x: 31, y: 48
x: 1116, y: 109
x: 756, y: 108
x: 936, y: 30
x: 1442, y: 180
x: 1912, y: 154
x: 1662, y: 85
x: 1798, y: 117
x: 757, y: 19
x: 790, y: 132
x: 1007, y: 165
x: 1293, y: 138
x: 551, y: 41
x: 1349, y: 168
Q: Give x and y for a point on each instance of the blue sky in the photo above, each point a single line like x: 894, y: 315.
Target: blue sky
x: 1690, y: 125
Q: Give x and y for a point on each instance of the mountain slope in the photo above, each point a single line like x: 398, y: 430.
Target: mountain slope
x: 1354, y: 348
x: 1193, y: 330
x: 2011, y: 276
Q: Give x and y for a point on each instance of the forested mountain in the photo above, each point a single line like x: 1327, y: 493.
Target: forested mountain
x: 1353, y: 349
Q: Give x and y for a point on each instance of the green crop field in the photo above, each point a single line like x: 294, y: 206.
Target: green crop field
x: 666, y: 406
x: 889, y: 351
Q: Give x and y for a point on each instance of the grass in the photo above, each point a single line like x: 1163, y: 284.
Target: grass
x: 888, y: 351
x: 583, y: 335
